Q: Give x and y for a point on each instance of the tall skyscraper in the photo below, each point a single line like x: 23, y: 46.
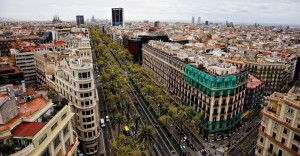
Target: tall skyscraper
x: 117, y: 18
x: 93, y: 19
x: 79, y: 19
x: 199, y: 20
x: 193, y: 20
x: 156, y: 24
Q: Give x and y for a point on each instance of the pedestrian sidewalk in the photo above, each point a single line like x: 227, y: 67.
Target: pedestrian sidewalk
x: 102, y: 151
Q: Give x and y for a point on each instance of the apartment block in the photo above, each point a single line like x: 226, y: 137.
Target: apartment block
x: 74, y: 79
x: 275, y: 75
x: 275, y: 71
x: 279, y: 133
x: 31, y: 125
x: 214, y: 88
x: 7, y: 43
x: 25, y: 61
x: 10, y: 74
x: 254, y: 93
x: 44, y: 66
x: 266, y: 53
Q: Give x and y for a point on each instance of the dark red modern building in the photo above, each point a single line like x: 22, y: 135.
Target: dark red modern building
x: 10, y: 75
x: 134, y: 44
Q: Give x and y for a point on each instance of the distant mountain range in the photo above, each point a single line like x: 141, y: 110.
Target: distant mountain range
x: 7, y: 19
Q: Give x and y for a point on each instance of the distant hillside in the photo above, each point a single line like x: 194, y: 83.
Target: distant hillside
x: 7, y: 19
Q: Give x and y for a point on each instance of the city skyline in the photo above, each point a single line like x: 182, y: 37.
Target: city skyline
x: 147, y: 78
x: 269, y: 12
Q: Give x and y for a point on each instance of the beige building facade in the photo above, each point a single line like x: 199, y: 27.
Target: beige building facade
x: 279, y: 133
x: 74, y: 79
x: 215, y: 89
x: 38, y: 129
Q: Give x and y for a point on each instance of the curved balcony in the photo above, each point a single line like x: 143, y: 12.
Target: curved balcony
x: 24, y: 151
x: 90, y: 138
x: 85, y: 98
x: 85, y: 107
x: 83, y: 90
x: 87, y: 129
x: 73, y: 148
x: 91, y: 144
x: 83, y: 80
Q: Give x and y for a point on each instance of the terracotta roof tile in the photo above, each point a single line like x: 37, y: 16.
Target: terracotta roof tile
x: 253, y: 82
x: 31, y: 107
x: 30, y: 91
x: 28, y: 129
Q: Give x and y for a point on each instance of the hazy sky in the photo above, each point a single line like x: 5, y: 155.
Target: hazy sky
x: 261, y: 11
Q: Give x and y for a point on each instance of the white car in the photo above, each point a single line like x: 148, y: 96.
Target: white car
x: 107, y: 118
x: 102, y: 123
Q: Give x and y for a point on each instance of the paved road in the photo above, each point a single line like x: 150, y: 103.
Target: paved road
x: 190, y: 137
x: 160, y: 149
x: 106, y: 131
x: 253, y: 134
x: 163, y: 146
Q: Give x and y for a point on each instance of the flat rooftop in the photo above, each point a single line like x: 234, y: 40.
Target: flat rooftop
x: 253, y: 82
x: 27, y: 129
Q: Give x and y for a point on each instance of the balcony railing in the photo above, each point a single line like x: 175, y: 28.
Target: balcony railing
x: 89, y: 88
x: 25, y: 151
x: 271, y: 112
x: 73, y: 148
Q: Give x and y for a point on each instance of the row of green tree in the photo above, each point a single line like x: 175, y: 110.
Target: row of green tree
x: 167, y: 106
x: 115, y: 87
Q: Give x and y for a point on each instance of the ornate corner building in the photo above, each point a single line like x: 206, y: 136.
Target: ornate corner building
x: 215, y: 89
x: 279, y: 133
x: 74, y: 79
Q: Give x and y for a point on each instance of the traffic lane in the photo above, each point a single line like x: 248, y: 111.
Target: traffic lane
x: 254, y: 133
x: 162, y: 145
x: 160, y: 133
x: 194, y: 140
x: 156, y: 148
x: 106, y: 139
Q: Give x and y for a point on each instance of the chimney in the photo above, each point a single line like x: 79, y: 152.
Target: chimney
x: 11, y: 92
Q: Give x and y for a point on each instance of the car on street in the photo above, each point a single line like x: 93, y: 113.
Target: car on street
x: 183, y: 148
x: 126, y: 130
x: 204, y: 152
x: 135, y: 101
x: 192, y: 146
x: 132, y: 130
x: 107, y: 118
x: 102, y: 123
x: 187, y: 140
x: 79, y: 153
